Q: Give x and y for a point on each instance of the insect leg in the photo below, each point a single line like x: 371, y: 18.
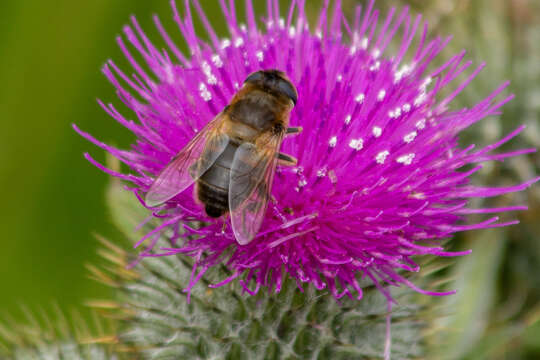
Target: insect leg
x: 286, y: 160
x: 224, y: 226
x: 293, y: 130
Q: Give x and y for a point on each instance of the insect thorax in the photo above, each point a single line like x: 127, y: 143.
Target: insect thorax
x: 257, y: 110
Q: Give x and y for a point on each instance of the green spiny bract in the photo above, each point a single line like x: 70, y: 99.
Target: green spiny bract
x: 68, y: 349
x: 52, y: 338
x: 224, y: 323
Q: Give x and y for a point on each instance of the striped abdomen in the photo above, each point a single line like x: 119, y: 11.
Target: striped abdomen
x: 213, y: 185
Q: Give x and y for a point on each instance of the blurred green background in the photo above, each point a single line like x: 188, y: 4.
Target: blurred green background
x: 53, y: 200
x: 50, y: 60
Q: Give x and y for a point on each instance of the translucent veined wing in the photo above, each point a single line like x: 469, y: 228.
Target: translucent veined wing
x: 252, y: 174
x: 189, y: 164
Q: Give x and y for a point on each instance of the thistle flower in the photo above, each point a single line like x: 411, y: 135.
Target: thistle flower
x: 379, y: 177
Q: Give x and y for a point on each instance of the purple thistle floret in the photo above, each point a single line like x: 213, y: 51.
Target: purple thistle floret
x: 378, y: 178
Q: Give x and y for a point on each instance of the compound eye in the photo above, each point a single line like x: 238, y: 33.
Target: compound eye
x: 256, y: 76
x: 288, y: 89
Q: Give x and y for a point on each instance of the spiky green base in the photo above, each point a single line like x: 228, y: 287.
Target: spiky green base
x: 62, y: 350
x: 223, y: 323
x: 226, y: 323
x: 56, y: 338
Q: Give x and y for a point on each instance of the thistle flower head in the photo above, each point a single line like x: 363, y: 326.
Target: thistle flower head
x: 380, y: 174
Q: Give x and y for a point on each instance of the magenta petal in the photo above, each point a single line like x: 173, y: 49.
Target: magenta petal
x: 378, y: 178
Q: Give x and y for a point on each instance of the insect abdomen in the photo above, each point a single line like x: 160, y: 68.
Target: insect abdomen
x: 213, y: 185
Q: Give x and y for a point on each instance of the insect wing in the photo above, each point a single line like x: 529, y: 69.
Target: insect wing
x: 190, y: 163
x: 252, y: 173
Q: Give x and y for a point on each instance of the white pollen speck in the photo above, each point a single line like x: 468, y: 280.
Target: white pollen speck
x: 406, y: 159
x: 420, y: 99
x: 225, y: 43
x: 381, y: 95
x: 236, y: 85
x: 321, y: 172
x: 377, y: 131
x: 421, y: 124
x: 420, y: 196
x: 395, y: 113
x: 375, y: 66
x: 318, y: 34
x: 239, y: 42
x: 302, y: 183
x: 410, y: 137
x: 260, y: 55
x: 339, y: 77
x: 352, y: 50
x: 356, y: 144
x: 333, y: 141
x: 406, y: 108
x: 348, y: 119
x: 376, y: 53
x: 281, y: 23
x: 217, y: 61
x: 426, y: 82
x: 402, y: 72
x: 206, y: 68
x: 381, y: 157
x: 243, y: 27
x: 205, y: 94
x: 364, y: 43
x: 360, y: 98
x: 292, y: 31
x: 269, y: 24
